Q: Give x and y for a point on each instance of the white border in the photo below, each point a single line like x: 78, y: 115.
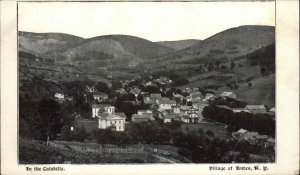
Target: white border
x: 287, y: 90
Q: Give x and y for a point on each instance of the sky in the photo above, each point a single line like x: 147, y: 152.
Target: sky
x: 155, y: 21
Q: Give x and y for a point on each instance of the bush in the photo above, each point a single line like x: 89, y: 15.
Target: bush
x: 209, y: 133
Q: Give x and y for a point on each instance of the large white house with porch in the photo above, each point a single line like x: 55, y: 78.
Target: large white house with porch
x: 115, y: 121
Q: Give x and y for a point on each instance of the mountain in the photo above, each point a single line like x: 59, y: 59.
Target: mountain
x: 226, y: 45
x: 44, y: 43
x: 129, y: 56
x: 231, y: 58
x: 95, y: 57
x: 116, y: 47
x: 179, y: 45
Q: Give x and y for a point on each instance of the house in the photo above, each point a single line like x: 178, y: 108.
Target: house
x: 147, y: 99
x: 155, y: 97
x: 176, y: 109
x: 270, y: 143
x: 113, y: 120
x: 192, y: 113
x: 59, y: 96
x: 142, y: 117
x: 239, y: 134
x: 135, y: 90
x: 90, y: 89
x: 121, y: 91
x: 100, y: 108
x: 236, y: 110
x: 256, y: 109
x: 177, y: 96
x: 272, y: 111
x: 261, y: 138
x: 228, y: 94
x: 185, y: 118
x: 195, y: 89
x: 100, y: 96
x: 144, y: 112
x: 165, y: 103
x: 208, y: 96
x: 169, y: 117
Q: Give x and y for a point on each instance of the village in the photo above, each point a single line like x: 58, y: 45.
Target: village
x: 154, y: 100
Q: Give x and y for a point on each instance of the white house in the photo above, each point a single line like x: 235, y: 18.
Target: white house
x: 100, y: 96
x: 102, y: 108
x: 115, y: 121
x: 142, y: 117
x: 228, y: 94
x: 208, y: 96
x: 169, y: 117
x: 166, y: 104
x: 240, y: 133
x: 256, y: 109
x: 59, y: 96
x: 140, y: 112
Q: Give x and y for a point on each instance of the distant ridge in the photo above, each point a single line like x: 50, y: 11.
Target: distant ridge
x: 180, y: 44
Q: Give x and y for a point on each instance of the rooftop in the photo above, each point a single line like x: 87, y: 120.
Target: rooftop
x: 107, y: 116
x: 100, y: 105
x: 242, y: 131
x: 256, y: 107
x: 100, y: 94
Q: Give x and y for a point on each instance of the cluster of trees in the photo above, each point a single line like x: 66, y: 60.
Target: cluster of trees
x: 261, y: 123
x: 200, y: 147
x: 42, y: 119
x: 265, y: 57
x: 231, y: 102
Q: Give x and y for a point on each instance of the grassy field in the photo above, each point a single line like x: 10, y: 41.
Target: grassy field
x: 59, y: 152
x: 218, y: 130
x: 37, y: 152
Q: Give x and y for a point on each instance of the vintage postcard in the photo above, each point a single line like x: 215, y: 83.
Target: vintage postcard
x: 199, y: 87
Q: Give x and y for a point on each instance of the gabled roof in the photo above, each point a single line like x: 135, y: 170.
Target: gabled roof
x: 100, y: 105
x: 100, y: 94
x: 135, y: 91
x: 107, y: 116
x: 262, y: 137
x: 155, y: 95
x: 142, y: 116
x: 171, y: 116
x: 196, y: 94
x: 177, y: 96
x: 272, y: 110
x: 185, y: 107
x: 226, y: 93
x: 145, y: 111
x: 262, y: 107
x: 121, y: 114
x: 166, y: 101
x: 271, y: 140
x: 242, y: 131
x: 160, y: 110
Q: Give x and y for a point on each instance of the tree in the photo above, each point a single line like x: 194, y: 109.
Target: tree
x: 209, y: 133
x: 102, y: 87
x: 263, y: 71
x: 232, y: 65
x: 50, y: 120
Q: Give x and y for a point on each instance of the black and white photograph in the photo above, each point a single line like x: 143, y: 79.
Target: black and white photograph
x: 146, y: 82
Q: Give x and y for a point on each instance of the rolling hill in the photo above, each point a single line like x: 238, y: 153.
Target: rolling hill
x: 226, y: 45
x: 131, y: 56
x: 179, y: 45
x: 41, y: 44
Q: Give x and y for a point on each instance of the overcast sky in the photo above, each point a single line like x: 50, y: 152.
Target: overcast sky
x: 155, y: 21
